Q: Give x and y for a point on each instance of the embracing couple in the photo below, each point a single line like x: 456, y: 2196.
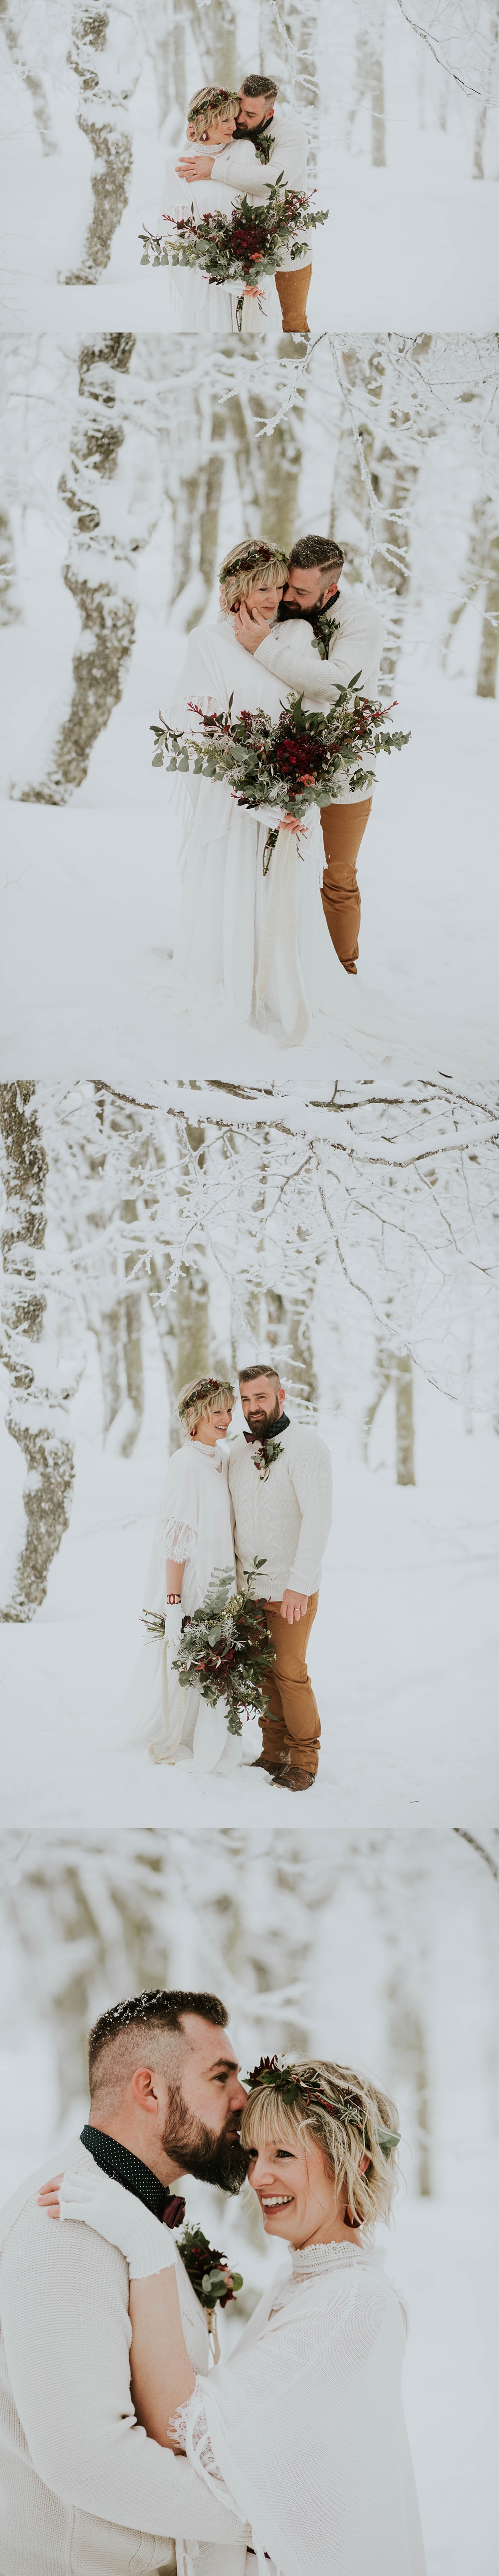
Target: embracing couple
x: 121, y: 2448
x: 238, y: 143
x: 278, y: 951
x: 266, y: 1496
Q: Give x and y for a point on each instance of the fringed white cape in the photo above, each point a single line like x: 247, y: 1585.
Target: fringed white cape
x: 305, y: 2427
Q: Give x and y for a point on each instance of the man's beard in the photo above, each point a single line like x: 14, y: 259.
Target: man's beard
x: 248, y: 131
x: 221, y: 2160
x: 291, y: 608
x: 264, y: 1421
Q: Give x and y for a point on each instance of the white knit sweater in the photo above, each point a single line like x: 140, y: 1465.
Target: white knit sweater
x: 83, y: 2491
x: 239, y: 168
x: 289, y: 650
x: 287, y: 1518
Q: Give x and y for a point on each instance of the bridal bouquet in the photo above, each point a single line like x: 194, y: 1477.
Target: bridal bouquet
x: 240, y: 248
x: 226, y: 1648
x: 300, y: 761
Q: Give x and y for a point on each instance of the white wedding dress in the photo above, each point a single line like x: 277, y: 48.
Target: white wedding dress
x: 303, y: 2429
x: 194, y: 1528
x: 202, y: 307
x: 258, y: 945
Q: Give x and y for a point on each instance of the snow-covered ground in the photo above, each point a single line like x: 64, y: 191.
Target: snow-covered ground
x: 403, y: 1654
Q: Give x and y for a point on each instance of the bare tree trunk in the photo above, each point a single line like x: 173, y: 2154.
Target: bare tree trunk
x: 32, y: 83
x: 489, y: 646
x: 48, y: 1455
x: 409, y: 2043
x: 108, y: 618
x: 111, y: 146
x: 395, y: 1369
x: 283, y: 460
x: 224, y: 50
x: 404, y: 1413
x: 9, y: 605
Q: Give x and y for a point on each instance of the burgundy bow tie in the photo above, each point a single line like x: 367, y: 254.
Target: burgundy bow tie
x: 174, y: 2211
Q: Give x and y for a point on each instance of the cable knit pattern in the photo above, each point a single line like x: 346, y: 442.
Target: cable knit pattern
x: 287, y: 1518
x: 239, y: 168
x: 288, y: 651
x: 83, y: 2490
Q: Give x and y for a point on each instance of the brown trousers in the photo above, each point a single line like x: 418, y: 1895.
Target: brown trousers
x: 293, y: 1730
x: 343, y: 828
x: 292, y: 288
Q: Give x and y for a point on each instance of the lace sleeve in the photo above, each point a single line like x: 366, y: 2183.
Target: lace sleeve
x: 177, y: 1540
x: 190, y: 2429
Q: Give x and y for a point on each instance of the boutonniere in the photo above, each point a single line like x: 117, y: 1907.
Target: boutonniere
x: 324, y: 628
x: 264, y: 145
x: 264, y: 1455
x: 208, y: 2270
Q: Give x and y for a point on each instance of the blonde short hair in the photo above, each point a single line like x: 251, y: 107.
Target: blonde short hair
x: 207, y: 1396
x: 253, y: 565
x: 207, y: 107
x: 352, y: 2127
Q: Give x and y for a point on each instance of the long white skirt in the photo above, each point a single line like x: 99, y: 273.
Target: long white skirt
x: 235, y: 922
x: 177, y: 1725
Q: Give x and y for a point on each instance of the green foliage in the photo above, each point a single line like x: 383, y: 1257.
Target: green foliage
x: 226, y: 1649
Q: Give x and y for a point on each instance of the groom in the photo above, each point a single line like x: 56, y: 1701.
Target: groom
x: 81, y: 2489
x: 280, y: 1482
x: 267, y: 141
x: 350, y: 630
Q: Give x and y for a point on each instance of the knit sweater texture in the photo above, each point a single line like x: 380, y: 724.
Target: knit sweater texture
x: 290, y: 652
x: 285, y: 1518
x: 239, y: 168
x: 83, y: 2491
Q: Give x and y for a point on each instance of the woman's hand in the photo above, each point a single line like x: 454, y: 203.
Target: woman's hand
x: 249, y: 627
x: 48, y: 2197
x: 196, y: 165
x: 95, y: 2200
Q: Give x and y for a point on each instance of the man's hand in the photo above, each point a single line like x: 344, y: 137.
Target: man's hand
x: 197, y: 165
x: 293, y: 1606
x: 250, y: 628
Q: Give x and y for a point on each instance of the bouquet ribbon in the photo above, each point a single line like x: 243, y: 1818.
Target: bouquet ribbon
x: 282, y: 879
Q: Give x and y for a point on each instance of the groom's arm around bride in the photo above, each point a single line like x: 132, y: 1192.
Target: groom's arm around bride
x: 83, y: 2490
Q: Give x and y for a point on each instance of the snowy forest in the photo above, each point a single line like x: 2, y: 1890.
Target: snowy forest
x: 135, y: 1243
x: 379, y: 1948
x: 126, y: 478
x: 97, y: 95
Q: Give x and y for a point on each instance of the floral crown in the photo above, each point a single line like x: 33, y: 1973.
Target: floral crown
x: 307, y: 2090
x: 203, y: 1386
x: 207, y: 101
x: 254, y: 551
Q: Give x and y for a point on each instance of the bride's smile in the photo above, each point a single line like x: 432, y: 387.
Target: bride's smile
x: 297, y: 2192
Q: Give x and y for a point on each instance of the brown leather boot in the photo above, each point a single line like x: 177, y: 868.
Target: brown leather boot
x: 286, y: 1778
x: 292, y: 288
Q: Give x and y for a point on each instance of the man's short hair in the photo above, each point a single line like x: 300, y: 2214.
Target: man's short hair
x: 260, y: 1370
x: 258, y: 85
x: 317, y: 551
x: 154, y: 2011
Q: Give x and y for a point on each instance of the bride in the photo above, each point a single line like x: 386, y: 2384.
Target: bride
x: 301, y: 2431
x: 193, y: 1541
x: 259, y: 946
x: 211, y: 120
